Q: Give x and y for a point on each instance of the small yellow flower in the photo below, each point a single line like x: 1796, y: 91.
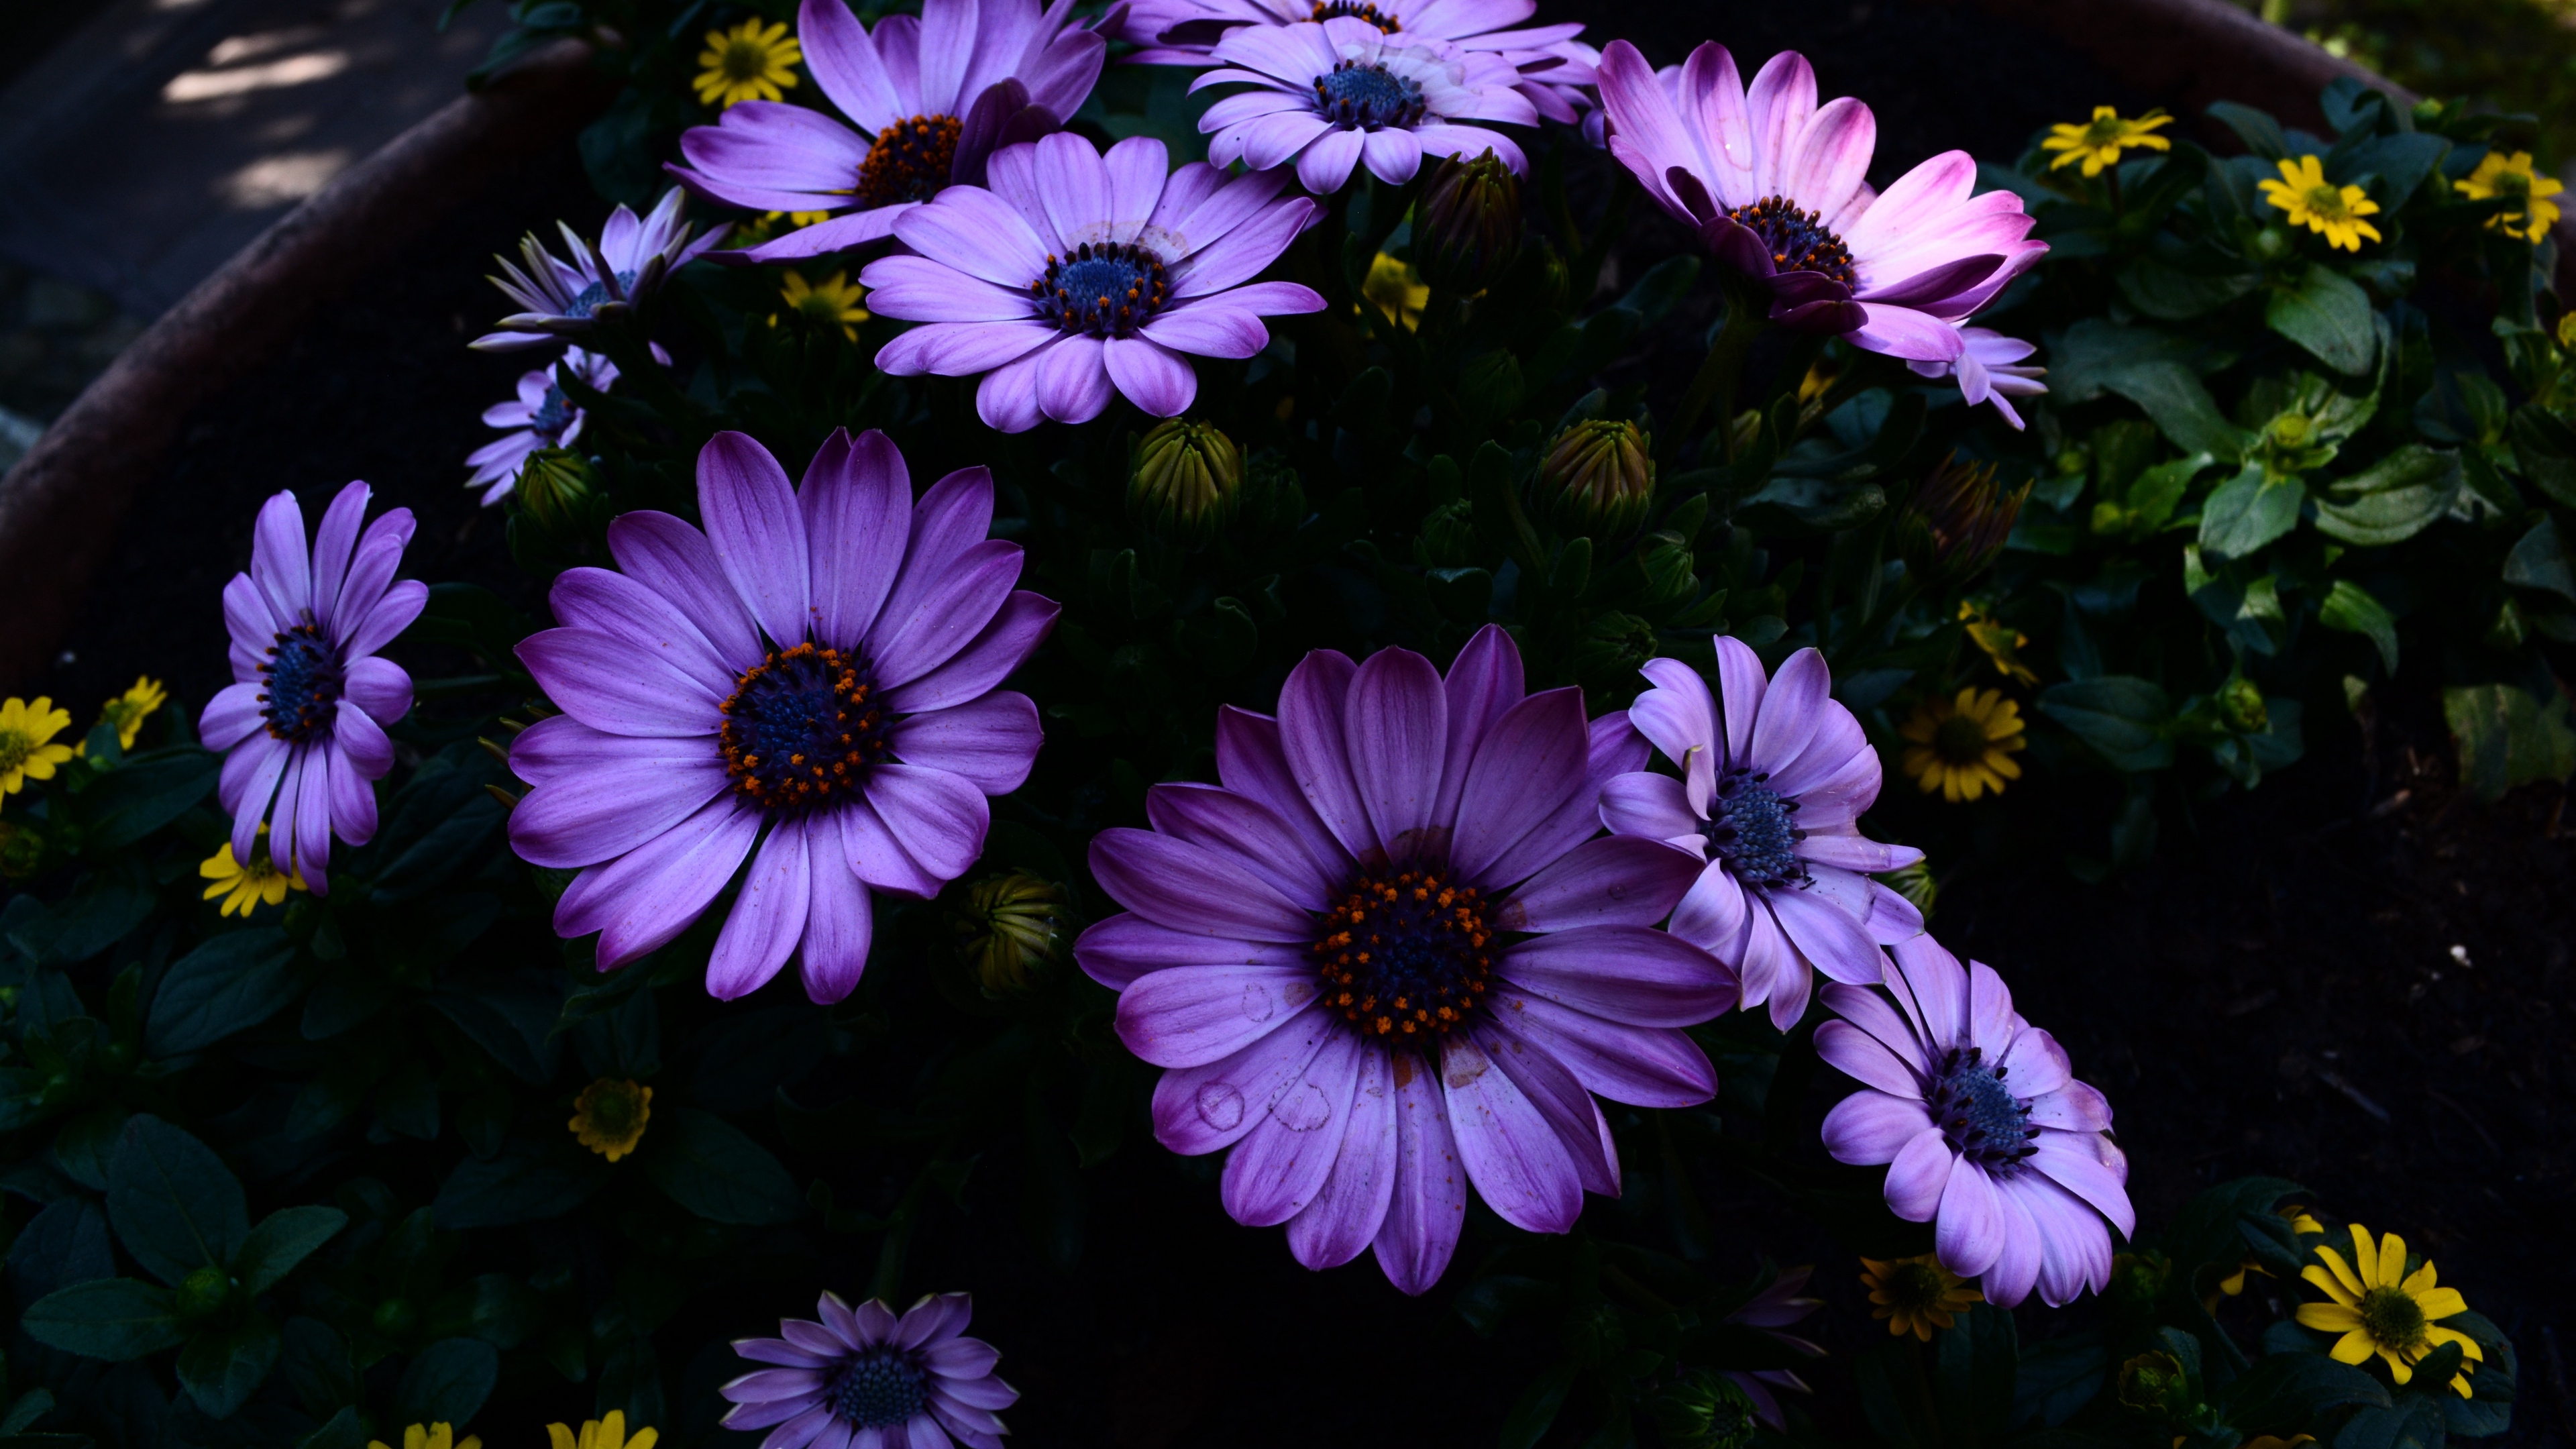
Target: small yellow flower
x: 1916, y: 1295
x: 835, y: 299
x: 608, y: 1433
x: 609, y: 1116
x: 747, y: 63
x: 2320, y: 206
x: 1964, y: 747
x: 1397, y: 289
x: 430, y: 1436
x: 1818, y: 381
x: 243, y: 889
x: 1999, y: 642
x: 129, y: 710
x: 2099, y: 142
x: 2382, y: 1309
x: 26, y: 751
x: 2513, y: 176
x: 2567, y: 330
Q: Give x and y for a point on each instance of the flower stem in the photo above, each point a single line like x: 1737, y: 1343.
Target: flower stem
x: 1721, y: 372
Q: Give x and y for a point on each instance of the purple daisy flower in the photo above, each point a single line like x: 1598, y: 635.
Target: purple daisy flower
x: 1184, y: 32
x: 1990, y: 370
x: 820, y: 664
x: 863, y: 1378
x: 1773, y: 1310
x: 539, y: 417
x: 1772, y: 788
x: 1330, y: 96
x: 1773, y: 184
x: 563, y: 298
x: 1385, y: 958
x: 303, y: 728
x: 1983, y: 1125
x: 932, y: 97
x: 1079, y: 272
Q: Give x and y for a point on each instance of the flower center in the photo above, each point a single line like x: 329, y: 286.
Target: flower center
x: 800, y: 729
x: 2327, y: 201
x: 1798, y: 241
x: 1916, y: 1285
x: 553, y: 415
x: 1328, y: 9
x: 15, y: 750
x: 879, y: 1390
x: 302, y: 673
x: 745, y: 59
x: 1751, y: 827
x: 1106, y: 290
x: 1406, y: 954
x: 2393, y: 1318
x: 612, y: 1112
x: 2513, y: 183
x: 1960, y: 740
x: 588, y: 299
x: 1979, y: 1114
x: 1366, y: 97
x: 910, y: 161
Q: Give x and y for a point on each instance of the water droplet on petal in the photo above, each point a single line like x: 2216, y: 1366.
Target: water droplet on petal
x: 1304, y: 1109
x: 1221, y: 1106
x: 1257, y: 1004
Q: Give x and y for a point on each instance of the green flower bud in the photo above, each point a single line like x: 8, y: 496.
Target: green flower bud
x: 554, y: 489
x: 2155, y: 1383
x: 1956, y: 523
x: 1468, y: 228
x: 2271, y: 244
x: 1703, y: 1409
x: 202, y: 1294
x: 396, y: 1317
x: 1613, y: 649
x: 1448, y: 539
x: 1914, y: 882
x: 1185, y: 481
x: 2240, y: 703
x: 1601, y: 476
x: 1013, y: 932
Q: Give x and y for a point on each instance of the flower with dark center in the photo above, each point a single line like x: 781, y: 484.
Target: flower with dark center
x: 609, y: 1117
x: 1916, y: 1295
x: 1774, y: 776
x: 1329, y: 96
x: 865, y: 1378
x: 27, y: 748
x: 1984, y: 1128
x: 1130, y: 269
x: 813, y: 675
x: 541, y: 416
x: 2380, y: 1307
x: 1388, y: 947
x: 303, y: 725
x: 561, y: 298
x: 2098, y: 143
x: 748, y: 63
x: 1324, y: 10
x: 922, y: 105
x: 2511, y: 176
x: 1774, y: 185
x: 1963, y: 747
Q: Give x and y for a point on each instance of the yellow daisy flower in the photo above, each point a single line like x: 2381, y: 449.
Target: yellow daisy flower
x: 1964, y: 747
x: 608, y: 1433
x: 2382, y: 1309
x: 2099, y: 142
x: 129, y: 710
x: 609, y: 1116
x: 2320, y: 206
x: 246, y: 888
x: 835, y: 299
x: 26, y: 748
x: 1397, y: 289
x: 2513, y: 176
x: 2000, y: 642
x: 1916, y: 1295
x: 430, y: 1436
x: 747, y: 63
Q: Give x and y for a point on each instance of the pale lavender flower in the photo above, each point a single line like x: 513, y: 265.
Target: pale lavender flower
x: 1552, y: 66
x: 1984, y: 1128
x: 541, y: 416
x: 560, y: 298
x: 1331, y: 96
x: 862, y: 1378
x: 1990, y: 370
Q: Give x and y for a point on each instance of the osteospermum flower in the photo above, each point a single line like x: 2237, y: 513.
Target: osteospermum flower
x: 609, y: 1117
x: 1773, y: 184
x: 2098, y: 143
x: 431, y: 1436
x: 1990, y: 368
x: 1384, y: 959
x: 1963, y: 747
x: 932, y: 98
x: 303, y: 728
x: 541, y: 416
x: 1780, y: 1304
x: 2381, y: 1308
x: 1916, y: 1295
x: 750, y: 62
x: 1080, y: 272
x: 560, y: 298
x: 1330, y: 96
x: 833, y: 302
x: 1553, y: 67
x: 2333, y: 212
x: 815, y: 674
x: 1986, y: 1131
x: 27, y: 750
x: 1775, y: 777
x: 2513, y: 176
x: 864, y: 1378
x: 244, y: 887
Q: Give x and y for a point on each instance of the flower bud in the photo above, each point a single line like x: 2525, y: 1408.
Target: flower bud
x: 1490, y: 386
x: 1704, y: 1409
x: 1185, y: 481
x: 555, y: 488
x: 1915, y: 883
x: 1614, y: 648
x: 1956, y: 523
x: 2155, y: 1383
x: 1468, y: 229
x: 1602, y: 478
x: 1448, y: 539
x: 1012, y: 932
x: 204, y: 1293
x: 2240, y: 703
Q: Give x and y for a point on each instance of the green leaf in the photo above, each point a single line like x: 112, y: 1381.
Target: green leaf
x: 2120, y: 716
x: 1979, y: 1359
x: 529, y: 1181
x: 2174, y: 396
x: 2539, y: 561
x: 448, y: 1382
x: 114, y: 1318
x: 2261, y: 134
x: 2327, y: 313
x: 2395, y: 499
x: 283, y: 1239
x: 2507, y: 736
x: 317, y: 1367
x: 2160, y: 489
x: 2248, y: 511
x: 2171, y: 294
x: 174, y: 1204
x: 512, y: 1019
x: 715, y: 1170
x: 2351, y: 608
x: 231, y: 983
x: 1534, y: 1413
x: 103, y: 906
x: 2546, y: 447
x: 145, y: 793
x: 2283, y: 1393
x: 222, y: 1369
x: 344, y: 1430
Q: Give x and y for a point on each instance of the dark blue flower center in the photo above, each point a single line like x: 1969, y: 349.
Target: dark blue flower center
x: 1366, y: 97
x: 801, y: 729
x: 1106, y: 290
x: 1406, y: 954
x: 911, y: 161
x: 590, y: 298
x: 1984, y: 1121
x: 1798, y: 241
x: 880, y: 1389
x: 302, y: 678
x: 553, y: 415
x: 1753, y: 828
x: 1356, y: 10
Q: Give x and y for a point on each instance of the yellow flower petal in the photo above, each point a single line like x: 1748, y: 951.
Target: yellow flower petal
x: 2344, y: 1278
x: 2329, y: 1317
x: 2365, y: 1258
x: 2353, y: 1347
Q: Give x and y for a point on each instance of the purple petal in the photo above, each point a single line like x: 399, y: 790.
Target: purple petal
x: 1188, y: 1016
x: 1483, y: 683
x: 1157, y: 380
x: 1827, y: 935
x: 923, y: 628
x: 1250, y: 833
x: 991, y: 743
x: 278, y: 563
x: 1395, y: 724
x: 963, y: 349
x: 612, y: 793
x: 1529, y: 767
x: 2070, y: 1161
x: 1618, y: 880
x: 938, y: 818
x: 1251, y: 761
x: 1832, y: 156
x: 1970, y: 1233
x: 1782, y: 97
x: 1648, y: 806
x: 1713, y: 916
x: 1864, y: 1058
x: 1311, y: 737
x: 857, y: 509
x: 617, y: 687
x: 1630, y: 974
x: 676, y: 561
x: 641, y: 900
x: 1016, y: 631
x: 840, y: 923
x: 1868, y: 1128
x: 768, y: 917
x: 378, y: 686
x: 1120, y: 950
x: 1428, y: 1204
x: 759, y: 535
x: 1644, y: 1066
x: 2007, y: 1281
x: 1192, y: 888
x: 1392, y: 155
x: 625, y: 610
x: 1347, y: 1211
x: 392, y: 614
x: 1279, y: 1166
x: 1073, y: 380
x: 1510, y: 1152
x: 231, y: 716
x: 1919, y: 1174
x: 333, y: 544
x: 1895, y: 331
x: 977, y: 233
x: 844, y: 63
x: 1200, y: 1109
x: 1560, y: 1099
